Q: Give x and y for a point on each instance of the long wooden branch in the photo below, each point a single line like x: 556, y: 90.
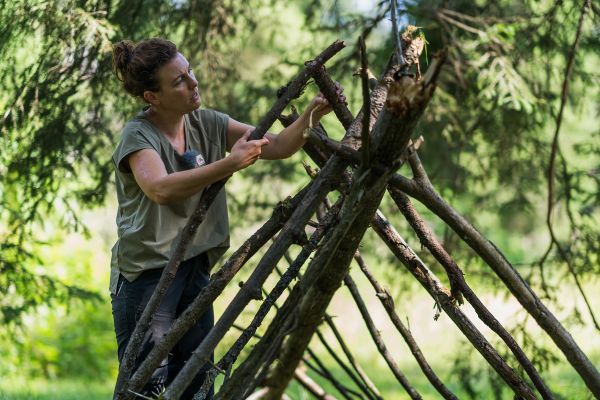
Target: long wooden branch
x: 421, y: 189
x: 310, y: 385
x: 308, y: 315
x: 357, y: 376
x: 381, y: 347
x: 299, y: 375
x: 345, y: 391
x: 429, y: 240
x: 234, y: 389
x: 367, y: 382
x: 356, y: 379
x: 188, y: 232
x: 246, y: 376
x: 300, y: 378
x: 353, y: 371
x: 388, y: 305
x: 443, y: 297
x: 317, y: 367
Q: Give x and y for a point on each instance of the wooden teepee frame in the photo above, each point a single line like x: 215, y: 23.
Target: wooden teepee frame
x: 362, y: 168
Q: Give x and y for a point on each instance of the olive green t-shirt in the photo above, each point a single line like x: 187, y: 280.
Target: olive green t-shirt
x: 147, y: 231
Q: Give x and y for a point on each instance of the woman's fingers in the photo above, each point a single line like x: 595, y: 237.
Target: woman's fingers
x: 339, y: 90
x: 257, y: 148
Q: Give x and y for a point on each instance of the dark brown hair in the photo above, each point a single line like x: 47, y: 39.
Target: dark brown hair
x: 136, y: 64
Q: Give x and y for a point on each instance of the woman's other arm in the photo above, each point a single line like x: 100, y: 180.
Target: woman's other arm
x: 291, y: 139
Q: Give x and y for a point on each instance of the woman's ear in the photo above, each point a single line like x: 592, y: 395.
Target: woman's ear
x: 151, y: 97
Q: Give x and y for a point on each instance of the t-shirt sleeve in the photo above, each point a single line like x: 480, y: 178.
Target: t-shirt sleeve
x: 222, y: 121
x: 133, y: 139
x: 216, y: 124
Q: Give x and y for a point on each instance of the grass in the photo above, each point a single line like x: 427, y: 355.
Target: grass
x: 562, y: 380
x: 41, y: 389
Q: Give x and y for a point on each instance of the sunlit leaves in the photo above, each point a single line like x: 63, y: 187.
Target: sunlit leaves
x: 499, y: 82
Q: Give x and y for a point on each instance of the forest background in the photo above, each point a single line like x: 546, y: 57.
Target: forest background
x: 489, y: 135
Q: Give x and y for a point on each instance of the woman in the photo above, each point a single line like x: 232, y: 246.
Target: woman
x: 158, y: 190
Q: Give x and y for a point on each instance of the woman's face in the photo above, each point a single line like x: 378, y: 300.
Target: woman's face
x: 178, y: 87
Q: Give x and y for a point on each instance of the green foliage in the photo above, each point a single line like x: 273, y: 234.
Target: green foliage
x: 62, y: 110
x: 22, y: 290
x: 63, y: 328
x: 72, y: 343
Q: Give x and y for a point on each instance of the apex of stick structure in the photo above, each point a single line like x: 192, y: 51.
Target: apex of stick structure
x: 413, y: 47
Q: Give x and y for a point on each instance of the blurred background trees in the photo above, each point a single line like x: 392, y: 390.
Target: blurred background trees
x: 488, y: 140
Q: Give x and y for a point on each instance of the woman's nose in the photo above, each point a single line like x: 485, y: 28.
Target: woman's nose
x: 193, y: 82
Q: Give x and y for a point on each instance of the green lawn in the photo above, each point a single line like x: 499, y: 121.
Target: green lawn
x: 562, y: 380
x: 20, y: 389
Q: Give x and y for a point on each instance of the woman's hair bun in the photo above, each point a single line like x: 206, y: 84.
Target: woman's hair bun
x: 122, y: 54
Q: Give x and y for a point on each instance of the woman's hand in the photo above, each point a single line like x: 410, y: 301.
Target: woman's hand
x: 319, y: 106
x: 245, y: 152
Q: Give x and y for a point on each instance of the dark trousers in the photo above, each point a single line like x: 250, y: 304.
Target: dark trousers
x: 129, y: 302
